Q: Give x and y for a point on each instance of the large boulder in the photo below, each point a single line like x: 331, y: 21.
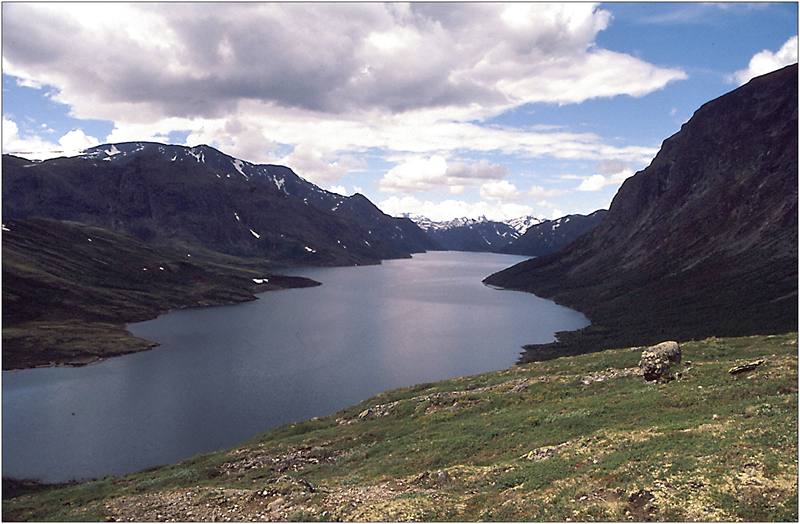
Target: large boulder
x: 656, y: 361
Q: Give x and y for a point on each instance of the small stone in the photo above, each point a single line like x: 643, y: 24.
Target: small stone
x: 746, y: 367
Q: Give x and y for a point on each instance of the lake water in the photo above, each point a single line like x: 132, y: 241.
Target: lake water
x: 224, y: 374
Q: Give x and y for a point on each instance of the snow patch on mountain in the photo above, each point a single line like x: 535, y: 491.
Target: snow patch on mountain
x: 519, y: 224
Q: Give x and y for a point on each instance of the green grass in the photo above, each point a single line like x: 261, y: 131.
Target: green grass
x: 709, y: 446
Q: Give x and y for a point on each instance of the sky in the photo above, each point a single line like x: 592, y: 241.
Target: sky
x: 445, y: 110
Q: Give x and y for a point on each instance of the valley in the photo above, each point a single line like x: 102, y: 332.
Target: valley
x: 223, y: 374
x: 297, y: 262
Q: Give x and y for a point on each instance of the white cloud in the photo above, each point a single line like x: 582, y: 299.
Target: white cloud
x: 593, y: 183
x: 34, y: 147
x: 449, y: 209
x: 417, y: 79
x: 338, y: 189
x: 767, y: 61
x: 598, y: 181
x: 319, y: 166
x: 374, y: 56
x: 76, y: 140
x: 415, y: 174
x: 424, y: 173
x: 499, y: 190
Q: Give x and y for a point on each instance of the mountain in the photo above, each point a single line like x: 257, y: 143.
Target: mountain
x: 549, y: 236
x: 69, y: 288
x: 702, y: 242
x: 526, y: 235
x: 521, y: 224
x: 163, y: 193
x: 467, y: 234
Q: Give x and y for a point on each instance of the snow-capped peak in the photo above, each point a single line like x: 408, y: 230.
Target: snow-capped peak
x: 521, y: 224
x: 427, y: 224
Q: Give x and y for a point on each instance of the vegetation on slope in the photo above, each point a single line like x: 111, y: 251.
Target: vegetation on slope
x: 68, y: 288
x: 575, y: 438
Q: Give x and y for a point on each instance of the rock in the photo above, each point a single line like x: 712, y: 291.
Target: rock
x: 746, y: 367
x: 442, y: 478
x: 656, y: 361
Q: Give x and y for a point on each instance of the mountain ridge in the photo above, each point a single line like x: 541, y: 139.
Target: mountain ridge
x: 161, y: 192
x: 550, y: 236
x: 526, y: 235
x: 701, y: 242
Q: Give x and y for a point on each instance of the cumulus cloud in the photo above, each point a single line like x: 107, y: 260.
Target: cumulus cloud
x: 416, y: 78
x: 597, y: 182
x: 499, y: 190
x: 76, y: 140
x: 34, y: 147
x: 424, y: 173
x: 320, y: 167
x: 449, y: 209
x: 391, y: 58
x: 609, y: 172
x: 766, y: 61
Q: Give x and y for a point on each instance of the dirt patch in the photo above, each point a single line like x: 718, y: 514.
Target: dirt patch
x: 641, y: 506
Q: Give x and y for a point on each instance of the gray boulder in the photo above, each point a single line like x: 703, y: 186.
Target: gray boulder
x: 656, y: 361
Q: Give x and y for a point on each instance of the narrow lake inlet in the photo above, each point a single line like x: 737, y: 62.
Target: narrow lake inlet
x: 224, y: 374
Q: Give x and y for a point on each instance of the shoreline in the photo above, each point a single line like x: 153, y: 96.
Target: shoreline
x: 528, y: 424
x: 119, y: 340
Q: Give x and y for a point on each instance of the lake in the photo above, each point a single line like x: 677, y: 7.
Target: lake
x: 224, y: 374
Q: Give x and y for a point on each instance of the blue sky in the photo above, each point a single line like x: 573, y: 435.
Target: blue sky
x: 544, y: 111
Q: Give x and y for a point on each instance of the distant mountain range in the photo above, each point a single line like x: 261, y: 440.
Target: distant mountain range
x: 166, y: 193
x: 467, y: 234
x: 549, y: 236
x: 526, y: 235
x: 702, y: 242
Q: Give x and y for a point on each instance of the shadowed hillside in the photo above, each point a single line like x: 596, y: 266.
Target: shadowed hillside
x: 68, y: 288
x: 160, y: 193
x: 701, y: 242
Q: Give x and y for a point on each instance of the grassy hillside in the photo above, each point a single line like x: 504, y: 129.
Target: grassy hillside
x: 68, y: 288
x: 575, y: 438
